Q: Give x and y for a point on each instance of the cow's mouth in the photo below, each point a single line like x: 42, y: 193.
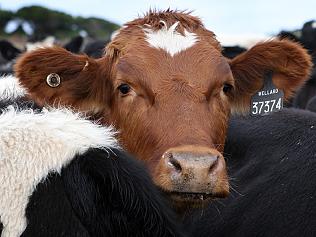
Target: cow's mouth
x: 192, y: 199
x: 187, y: 196
x: 182, y: 201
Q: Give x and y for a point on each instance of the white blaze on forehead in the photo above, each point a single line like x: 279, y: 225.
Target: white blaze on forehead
x: 169, y: 39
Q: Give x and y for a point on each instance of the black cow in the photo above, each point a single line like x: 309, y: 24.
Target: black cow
x: 62, y: 175
x: 311, y: 104
x: 307, y: 92
x: 308, y: 40
x: 308, y: 37
x: 96, y: 48
x: 74, y: 45
x: 272, y: 165
x: 8, y: 52
x: 232, y: 51
x: 288, y: 35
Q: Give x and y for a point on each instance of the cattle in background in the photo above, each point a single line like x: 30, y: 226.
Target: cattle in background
x: 311, y: 104
x: 75, y: 44
x: 288, y: 35
x: 272, y: 165
x: 307, y: 92
x: 308, y: 40
x: 167, y: 88
x: 95, y: 49
x: 49, y: 41
x: 62, y: 175
x: 8, y: 53
x: 232, y: 51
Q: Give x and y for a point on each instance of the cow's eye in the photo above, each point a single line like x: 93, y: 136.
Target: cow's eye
x: 227, y: 88
x: 124, y: 89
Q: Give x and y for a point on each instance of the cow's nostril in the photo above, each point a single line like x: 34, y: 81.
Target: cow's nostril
x: 174, y: 163
x: 214, y: 163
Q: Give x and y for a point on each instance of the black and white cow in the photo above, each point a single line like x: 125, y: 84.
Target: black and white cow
x: 272, y: 164
x: 62, y: 175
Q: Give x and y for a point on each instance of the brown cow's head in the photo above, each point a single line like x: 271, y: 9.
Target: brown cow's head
x: 166, y: 87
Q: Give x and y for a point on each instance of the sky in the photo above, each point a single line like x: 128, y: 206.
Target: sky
x: 252, y: 18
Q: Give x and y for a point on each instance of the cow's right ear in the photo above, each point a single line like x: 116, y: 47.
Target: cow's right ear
x: 82, y: 84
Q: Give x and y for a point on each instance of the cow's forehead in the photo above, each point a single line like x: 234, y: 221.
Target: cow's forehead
x: 170, y: 31
x: 193, y: 59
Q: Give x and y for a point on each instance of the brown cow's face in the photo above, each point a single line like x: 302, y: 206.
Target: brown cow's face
x: 169, y: 91
x: 172, y: 112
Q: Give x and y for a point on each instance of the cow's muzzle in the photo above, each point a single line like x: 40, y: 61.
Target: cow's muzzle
x: 192, y: 174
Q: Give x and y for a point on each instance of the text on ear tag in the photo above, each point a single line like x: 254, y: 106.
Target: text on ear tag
x: 268, y: 99
x: 53, y: 80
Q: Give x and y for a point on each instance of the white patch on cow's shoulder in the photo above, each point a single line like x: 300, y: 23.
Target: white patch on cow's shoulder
x: 314, y: 25
x: 31, y: 146
x: 170, y: 39
x: 10, y: 88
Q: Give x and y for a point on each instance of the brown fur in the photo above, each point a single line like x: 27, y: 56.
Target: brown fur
x: 175, y: 101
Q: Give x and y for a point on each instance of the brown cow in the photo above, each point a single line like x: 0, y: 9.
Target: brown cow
x: 166, y: 87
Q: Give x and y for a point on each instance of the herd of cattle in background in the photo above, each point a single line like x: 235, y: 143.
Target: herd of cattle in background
x: 8, y: 52
x: 117, y: 196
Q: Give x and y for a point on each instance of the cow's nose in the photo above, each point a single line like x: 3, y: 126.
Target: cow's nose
x: 193, y: 170
x: 186, y: 162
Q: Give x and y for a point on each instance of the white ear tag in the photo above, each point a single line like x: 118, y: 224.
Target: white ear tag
x: 268, y: 99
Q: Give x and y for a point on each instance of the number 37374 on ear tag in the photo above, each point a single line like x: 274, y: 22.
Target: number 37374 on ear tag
x: 268, y: 99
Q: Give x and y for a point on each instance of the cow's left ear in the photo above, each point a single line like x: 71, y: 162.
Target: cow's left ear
x: 290, y: 63
x: 54, y: 76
